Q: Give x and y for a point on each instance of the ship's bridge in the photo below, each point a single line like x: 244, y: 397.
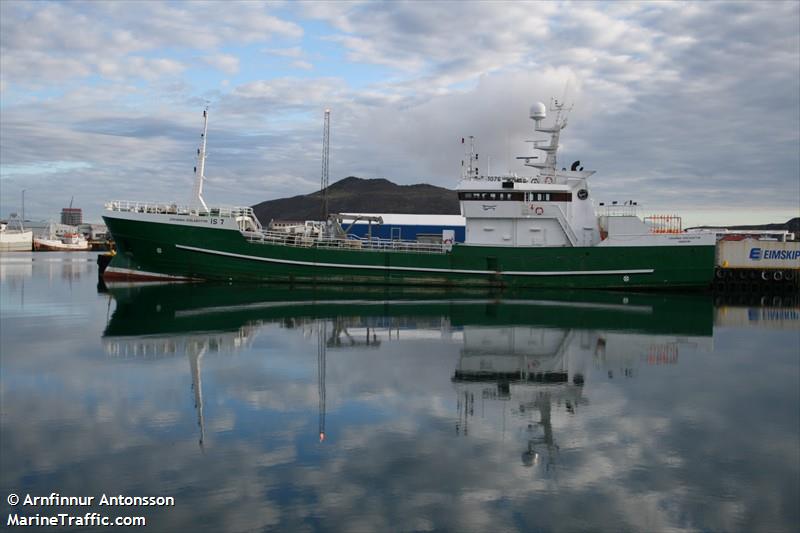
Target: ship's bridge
x: 550, y: 209
x: 515, y: 211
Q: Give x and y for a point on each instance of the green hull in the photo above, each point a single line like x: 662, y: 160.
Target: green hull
x: 173, y: 250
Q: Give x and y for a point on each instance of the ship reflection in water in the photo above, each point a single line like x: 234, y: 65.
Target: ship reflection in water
x: 523, y: 359
x: 292, y: 409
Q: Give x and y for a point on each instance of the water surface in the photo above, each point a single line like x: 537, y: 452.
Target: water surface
x: 287, y: 408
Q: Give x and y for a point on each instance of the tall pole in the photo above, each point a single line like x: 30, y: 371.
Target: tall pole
x: 23, y: 205
x: 199, y: 170
x: 326, y: 148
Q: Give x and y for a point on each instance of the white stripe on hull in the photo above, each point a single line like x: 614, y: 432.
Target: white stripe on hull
x: 418, y: 269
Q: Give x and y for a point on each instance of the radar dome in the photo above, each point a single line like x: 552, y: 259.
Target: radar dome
x: 538, y: 111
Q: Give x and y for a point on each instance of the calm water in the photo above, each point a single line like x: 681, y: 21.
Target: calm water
x: 263, y: 408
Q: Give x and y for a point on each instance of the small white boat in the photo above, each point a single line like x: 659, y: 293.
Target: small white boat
x: 68, y: 242
x: 15, y: 238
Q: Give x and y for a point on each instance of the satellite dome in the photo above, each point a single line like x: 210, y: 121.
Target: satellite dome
x: 538, y: 111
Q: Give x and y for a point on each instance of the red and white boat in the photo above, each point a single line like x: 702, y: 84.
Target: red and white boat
x: 68, y: 242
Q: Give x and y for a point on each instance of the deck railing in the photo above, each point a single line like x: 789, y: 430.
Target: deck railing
x: 664, y: 223
x: 280, y: 237
x: 350, y: 243
x: 562, y: 220
x: 615, y: 210
x: 175, y: 209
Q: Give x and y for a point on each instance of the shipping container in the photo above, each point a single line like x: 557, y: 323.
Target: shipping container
x: 758, y: 254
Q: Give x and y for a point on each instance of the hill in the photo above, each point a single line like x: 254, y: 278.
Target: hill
x: 357, y: 195
x: 792, y: 225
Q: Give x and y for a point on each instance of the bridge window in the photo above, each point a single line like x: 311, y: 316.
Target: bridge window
x: 548, y: 197
x: 492, y: 196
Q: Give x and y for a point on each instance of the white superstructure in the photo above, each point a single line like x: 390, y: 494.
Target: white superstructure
x: 553, y: 208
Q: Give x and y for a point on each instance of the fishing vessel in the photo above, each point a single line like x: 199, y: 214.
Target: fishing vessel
x: 14, y: 237
x: 70, y: 241
x: 538, y: 231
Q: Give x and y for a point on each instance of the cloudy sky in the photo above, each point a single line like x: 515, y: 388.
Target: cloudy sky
x: 692, y: 108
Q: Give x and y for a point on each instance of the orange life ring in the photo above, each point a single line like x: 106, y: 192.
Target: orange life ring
x: 539, y: 211
x: 548, y: 179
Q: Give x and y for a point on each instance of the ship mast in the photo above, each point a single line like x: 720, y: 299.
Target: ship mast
x: 547, y: 169
x: 470, y: 169
x: 199, y: 170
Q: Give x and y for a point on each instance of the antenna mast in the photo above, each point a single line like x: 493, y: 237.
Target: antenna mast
x: 199, y: 170
x: 470, y: 170
x: 547, y: 169
x: 326, y: 149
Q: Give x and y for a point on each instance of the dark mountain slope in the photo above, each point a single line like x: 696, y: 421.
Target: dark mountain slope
x: 356, y: 195
x: 793, y: 225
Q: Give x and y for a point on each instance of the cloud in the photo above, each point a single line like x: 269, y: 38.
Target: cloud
x: 303, y: 65
x: 294, y: 51
x: 679, y: 105
x: 57, y: 41
x: 443, y: 45
x: 659, y: 82
x: 227, y: 63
